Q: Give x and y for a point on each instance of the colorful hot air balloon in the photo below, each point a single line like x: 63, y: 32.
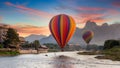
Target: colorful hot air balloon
x: 62, y: 28
x: 87, y: 36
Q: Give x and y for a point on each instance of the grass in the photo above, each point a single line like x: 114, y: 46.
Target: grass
x: 9, y: 53
x: 89, y: 53
x: 113, y: 54
x: 53, y: 50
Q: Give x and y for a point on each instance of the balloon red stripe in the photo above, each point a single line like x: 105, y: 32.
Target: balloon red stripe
x: 62, y: 28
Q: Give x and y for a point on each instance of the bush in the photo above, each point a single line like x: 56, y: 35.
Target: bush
x: 9, y: 53
x: 1, y: 46
x: 113, y: 53
x: 111, y: 43
x: 89, y: 53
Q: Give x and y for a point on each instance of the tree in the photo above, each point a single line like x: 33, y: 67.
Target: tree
x: 26, y: 45
x: 12, y: 38
x: 111, y: 43
x: 1, y: 46
x: 36, y: 43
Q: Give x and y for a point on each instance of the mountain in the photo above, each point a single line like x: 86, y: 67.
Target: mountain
x: 90, y: 25
x: 101, y: 33
x: 33, y: 37
x: 48, y: 39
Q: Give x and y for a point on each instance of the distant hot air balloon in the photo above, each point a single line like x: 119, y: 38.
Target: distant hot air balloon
x: 62, y: 28
x: 87, y: 36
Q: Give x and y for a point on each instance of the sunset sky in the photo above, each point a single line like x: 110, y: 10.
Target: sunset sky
x: 33, y: 16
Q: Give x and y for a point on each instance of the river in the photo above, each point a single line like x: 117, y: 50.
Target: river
x: 56, y: 60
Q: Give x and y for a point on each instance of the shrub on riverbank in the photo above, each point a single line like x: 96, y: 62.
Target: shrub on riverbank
x: 1, y: 46
x: 89, y: 53
x: 9, y: 53
x: 113, y: 54
x: 53, y: 50
x: 111, y: 50
x: 111, y: 43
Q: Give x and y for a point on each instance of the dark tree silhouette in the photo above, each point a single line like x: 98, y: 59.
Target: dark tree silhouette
x: 12, y: 38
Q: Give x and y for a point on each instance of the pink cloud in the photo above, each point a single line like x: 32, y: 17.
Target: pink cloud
x: 29, y: 29
x: 8, y: 3
x: 83, y: 17
x: 98, y: 18
x: 116, y: 4
x: 113, y: 12
x: 1, y: 19
x: 30, y: 10
x: 90, y: 8
x: 91, y: 15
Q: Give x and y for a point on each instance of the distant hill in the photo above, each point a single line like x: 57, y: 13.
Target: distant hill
x: 101, y: 33
x: 33, y: 37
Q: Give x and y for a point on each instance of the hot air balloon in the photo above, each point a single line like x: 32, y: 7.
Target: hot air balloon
x: 87, y: 36
x: 62, y: 28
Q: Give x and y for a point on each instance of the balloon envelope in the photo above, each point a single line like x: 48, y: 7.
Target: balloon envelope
x: 62, y: 28
x: 87, y: 36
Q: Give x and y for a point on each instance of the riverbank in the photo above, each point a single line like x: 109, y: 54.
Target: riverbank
x: 8, y: 52
x: 112, y: 54
x: 11, y: 53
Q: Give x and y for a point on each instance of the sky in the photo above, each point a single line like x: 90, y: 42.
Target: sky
x: 33, y: 16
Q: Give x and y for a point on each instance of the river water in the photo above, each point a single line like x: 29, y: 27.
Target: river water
x: 55, y: 60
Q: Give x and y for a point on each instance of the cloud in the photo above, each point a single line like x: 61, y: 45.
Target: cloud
x: 66, y: 5
x: 97, y: 14
x: 30, y: 10
x: 90, y: 8
x: 98, y: 18
x: 8, y: 3
x: 25, y: 30
x: 116, y: 4
x: 113, y: 13
x: 1, y: 19
x: 78, y: 18
x: 83, y: 14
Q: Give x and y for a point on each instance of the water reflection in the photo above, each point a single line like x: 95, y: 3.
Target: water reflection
x: 63, y: 62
